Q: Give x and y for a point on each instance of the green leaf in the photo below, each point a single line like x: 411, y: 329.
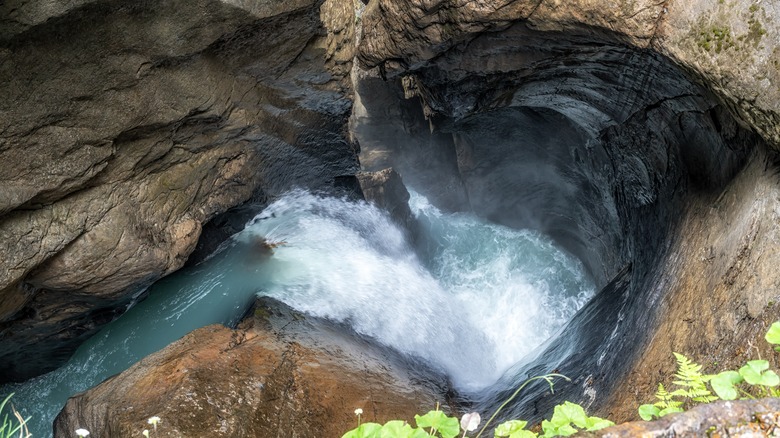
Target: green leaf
x: 756, y: 372
x: 773, y: 335
x: 569, y: 413
x: 513, y: 429
x: 396, y: 429
x: 551, y: 429
x: 509, y: 427
x: 669, y: 410
x: 366, y: 430
x: 596, y: 423
x: 648, y: 412
x: 447, y: 427
x: 723, y: 384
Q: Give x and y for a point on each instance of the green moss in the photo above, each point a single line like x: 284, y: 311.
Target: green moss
x: 262, y: 313
x: 755, y: 31
x: 716, y: 38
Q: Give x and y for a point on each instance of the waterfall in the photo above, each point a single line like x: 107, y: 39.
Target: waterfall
x: 469, y: 297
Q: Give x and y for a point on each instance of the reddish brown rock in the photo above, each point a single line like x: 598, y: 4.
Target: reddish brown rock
x: 280, y: 374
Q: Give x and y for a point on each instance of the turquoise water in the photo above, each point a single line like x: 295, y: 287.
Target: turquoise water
x: 472, y: 298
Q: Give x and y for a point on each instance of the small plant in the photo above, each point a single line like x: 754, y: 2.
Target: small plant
x: 153, y: 421
x: 568, y: 418
x: 11, y: 427
x: 666, y: 404
x: 754, y: 379
x: 692, y: 383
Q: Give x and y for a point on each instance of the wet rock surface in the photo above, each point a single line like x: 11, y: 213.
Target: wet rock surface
x: 721, y: 287
x: 281, y: 373
x: 126, y: 126
x: 386, y: 190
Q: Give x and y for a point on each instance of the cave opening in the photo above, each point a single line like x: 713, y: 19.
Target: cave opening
x: 599, y: 146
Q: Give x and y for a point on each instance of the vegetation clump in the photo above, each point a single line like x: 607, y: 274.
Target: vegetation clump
x: 717, y: 38
x: 567, y: 419
x: 692, y: 387
x: 12, y: 427
x: 752, y: 380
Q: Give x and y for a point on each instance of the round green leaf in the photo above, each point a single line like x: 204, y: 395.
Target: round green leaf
x: 773, y: 335
x: 524, y: 434
x: 563, y: 430
x: 447, y: 427
x: 507, y: 428
x: 723, y: 384
x: 569, y: 413
x: 648, y: 412
x: 366, y: 430
x: 756, y: 372
x: 396, y: 429
x: 596, y: 423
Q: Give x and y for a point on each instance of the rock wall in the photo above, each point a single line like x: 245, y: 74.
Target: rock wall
x: 125, y: 126
x: 732, y: 47
x: 721, y: 286
x: 602, y: 126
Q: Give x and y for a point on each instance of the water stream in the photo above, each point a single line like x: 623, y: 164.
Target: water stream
x: 472, y: 298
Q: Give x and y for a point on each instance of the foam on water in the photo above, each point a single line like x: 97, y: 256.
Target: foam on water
x: 472, y: 299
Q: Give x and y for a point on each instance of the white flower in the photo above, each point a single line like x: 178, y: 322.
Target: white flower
x: 145, y: 433
x: 469, y: 422
x: 358, y: 411
x: 153, y: 421
x: 82, y: 432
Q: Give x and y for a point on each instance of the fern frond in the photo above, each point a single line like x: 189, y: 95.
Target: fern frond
x: 665, y: 399
x: 692, y: 381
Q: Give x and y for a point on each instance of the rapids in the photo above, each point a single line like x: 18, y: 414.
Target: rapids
x: 469, y: 297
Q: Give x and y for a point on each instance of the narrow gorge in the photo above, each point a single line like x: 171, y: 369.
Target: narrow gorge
x: 581, y: 187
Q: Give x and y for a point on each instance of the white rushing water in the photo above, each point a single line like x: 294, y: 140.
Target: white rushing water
x: 472, y: 300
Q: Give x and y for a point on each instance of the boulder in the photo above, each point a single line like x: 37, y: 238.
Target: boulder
x: 281, y: 373
x: 385, y: 189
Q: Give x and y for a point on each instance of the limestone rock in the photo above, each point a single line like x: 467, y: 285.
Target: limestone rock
x: 731, y: 47
x: 280, y: 374
x: 386, y: 190
x: 738, y: 419
x: 127, y: 126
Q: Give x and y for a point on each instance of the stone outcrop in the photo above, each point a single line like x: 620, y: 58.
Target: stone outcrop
x: 721, y: 287
x: 732, y: 47
x: 126, y: 126
x: 280, y: 373
x: 737, y: 419
x: 385, y: 189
